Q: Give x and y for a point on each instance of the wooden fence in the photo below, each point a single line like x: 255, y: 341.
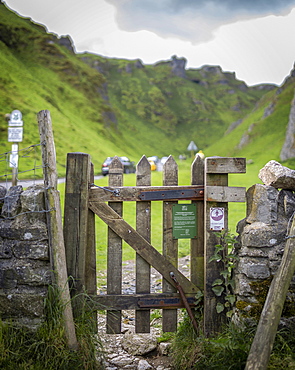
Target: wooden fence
x: 208, y: 193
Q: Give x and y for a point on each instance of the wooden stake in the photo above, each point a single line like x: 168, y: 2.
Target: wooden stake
x: 54, y: 222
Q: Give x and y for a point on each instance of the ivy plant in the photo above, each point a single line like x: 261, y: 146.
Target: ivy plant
x: 225, y: 284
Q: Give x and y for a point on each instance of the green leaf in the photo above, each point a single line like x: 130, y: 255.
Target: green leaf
x: 231, y: 299
x: 218, y: 290
x: 230, y: 313
x: 233, y: 256
x: 219, y: 307
x: 218, y: 282
x: 219, y: 248
x: 215, y: 257
x: 225, y: 273
x: 231, y: 283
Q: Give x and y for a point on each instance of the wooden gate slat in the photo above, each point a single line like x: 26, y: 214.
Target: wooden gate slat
x: 90, y: 257
x: 170, y: 245
x: 114, y: 255
x: 140, y: 245
x: 143, y: 226
x: 197, y: 244
x: 133, y: 301
x: 76, y: 223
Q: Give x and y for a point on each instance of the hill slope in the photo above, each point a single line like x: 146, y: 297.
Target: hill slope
x: 261, y: 134
x: 106, y: 106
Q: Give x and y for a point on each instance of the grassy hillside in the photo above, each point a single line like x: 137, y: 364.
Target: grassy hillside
x: 106, y: 106
x: 261, y: 134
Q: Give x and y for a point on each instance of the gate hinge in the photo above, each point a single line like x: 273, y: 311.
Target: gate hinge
x: 188, y: 194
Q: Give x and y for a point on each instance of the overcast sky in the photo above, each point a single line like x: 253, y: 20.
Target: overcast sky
x: 254, y: 38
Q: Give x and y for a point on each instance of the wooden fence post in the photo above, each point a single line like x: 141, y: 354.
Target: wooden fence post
x: 217, y: 196
x: 114, y: 258
x: 54, y: 221
x: 143, y: 226
x: 212, y: 320
x: 76, y: 224
x: 170, y: 245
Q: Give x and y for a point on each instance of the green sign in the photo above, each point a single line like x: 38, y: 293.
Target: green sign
x: 184, y: 221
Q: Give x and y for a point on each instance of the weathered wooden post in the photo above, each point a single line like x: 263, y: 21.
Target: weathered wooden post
x: 54, y: 221
x: 76, y: 224
x: 90, y: 259
x: 217, y: 196
x: 170, y: 245
x: 143, y: 226
x: 114, y: 258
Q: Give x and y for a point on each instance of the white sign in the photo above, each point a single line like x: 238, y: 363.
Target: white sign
x: 192, y: 146
x: 15, y: 118
x: 217, y: 218
x: 13, y: 160
x: 15, y: 134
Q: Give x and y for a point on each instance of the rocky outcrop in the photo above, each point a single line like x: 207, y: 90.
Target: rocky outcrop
x: 178, y: 66
x: 67, y: 42
x: 288, y: 149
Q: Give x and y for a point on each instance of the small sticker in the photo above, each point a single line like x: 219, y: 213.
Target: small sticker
x: 217, y: 218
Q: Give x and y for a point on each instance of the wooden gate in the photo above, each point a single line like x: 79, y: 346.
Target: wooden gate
x: 208, y: 190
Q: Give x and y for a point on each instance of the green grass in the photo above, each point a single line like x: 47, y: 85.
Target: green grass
x: 46, y: 347
x: 227, y: 350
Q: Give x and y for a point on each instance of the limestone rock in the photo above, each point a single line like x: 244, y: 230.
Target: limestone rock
x: 3, y: 192
x: 178, y: 66
x: 33, y: 203
x: 164, y: 348
x: 139, y: 344
x: 277, y: 175
x: 262, y: 204
x: 260, y: 235
x: 32, y: 199
x: 254, y: 268
x: 144, y: 365
x: 67, y: 42
x: 12, y: 203
x: 242, y: 286
x: 286, y: 203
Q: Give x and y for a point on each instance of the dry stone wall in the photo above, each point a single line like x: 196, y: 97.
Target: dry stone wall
x: 262, y: 235
x: 24, y: 255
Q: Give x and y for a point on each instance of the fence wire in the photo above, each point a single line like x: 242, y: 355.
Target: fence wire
x: 29, y: 174
x: 29, y: 169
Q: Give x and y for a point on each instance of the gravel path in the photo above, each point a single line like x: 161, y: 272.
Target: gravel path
x: 116, y: 356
